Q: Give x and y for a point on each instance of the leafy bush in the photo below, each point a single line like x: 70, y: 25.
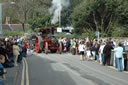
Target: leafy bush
x: 89, y: 34
x: 58, y: 35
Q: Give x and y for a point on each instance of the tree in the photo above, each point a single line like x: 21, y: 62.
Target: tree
x: 96, y: 15
x: 23, y: 10
x: 40, y: 21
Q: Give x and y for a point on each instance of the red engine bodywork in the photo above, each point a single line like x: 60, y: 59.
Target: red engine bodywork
x: 47, y: 37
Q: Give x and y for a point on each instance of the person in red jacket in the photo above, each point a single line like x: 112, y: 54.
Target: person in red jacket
x: 25, y: 48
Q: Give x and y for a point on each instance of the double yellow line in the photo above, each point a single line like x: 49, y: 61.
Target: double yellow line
x: 25, y: 74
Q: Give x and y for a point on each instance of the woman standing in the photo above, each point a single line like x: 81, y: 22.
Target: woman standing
x: 88, y: 48
x: 15, y: 53
x: 119, y: 56
x: 97, y: 46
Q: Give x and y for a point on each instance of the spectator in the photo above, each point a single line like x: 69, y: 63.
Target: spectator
x: 81, y: 51
x: 97, y: 46
x: 107, y: 53
x: 119, y: 55
x: 68, y: 45
x: 15, y: 53
x: 2, y: 60
x: 9, y: 49
x: 88, y: 46
x: 21, y: 45
x: 101, y: 55
x: 4, y: 52
x: 74, y: 47
x: 25, y: 49
x: 92, y: 49
x: 65, y: 42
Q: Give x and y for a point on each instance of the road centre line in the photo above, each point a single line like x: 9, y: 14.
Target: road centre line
x: 25, y: 73
x: 22, y: 77
x: 27, y: 76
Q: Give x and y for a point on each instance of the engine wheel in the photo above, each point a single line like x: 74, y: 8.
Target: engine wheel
x: 46, y: 48
x: 40, y: 44
x: 36, y: 45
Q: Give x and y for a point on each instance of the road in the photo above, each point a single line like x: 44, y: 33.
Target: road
x: 67, y: 69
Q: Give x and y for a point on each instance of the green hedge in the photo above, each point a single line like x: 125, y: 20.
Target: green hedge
x: 90, y: 34
x: 12, y: 33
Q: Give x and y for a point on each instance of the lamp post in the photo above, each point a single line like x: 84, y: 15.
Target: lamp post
x: 1, y: 32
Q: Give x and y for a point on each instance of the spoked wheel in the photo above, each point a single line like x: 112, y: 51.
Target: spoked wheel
x: 36, y: 45
x: 60, y: 48
x: 40, y: 44
x: 46, y: 48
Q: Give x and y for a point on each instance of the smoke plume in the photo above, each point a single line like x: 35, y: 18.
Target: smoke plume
x: 57, y: 7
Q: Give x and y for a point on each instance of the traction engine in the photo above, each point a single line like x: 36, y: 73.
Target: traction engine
x: 46, y: 40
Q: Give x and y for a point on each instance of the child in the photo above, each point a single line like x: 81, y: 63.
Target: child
x: 2, y: 60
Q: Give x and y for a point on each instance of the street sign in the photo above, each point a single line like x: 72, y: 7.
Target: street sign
x: 97, y: 33
x: 59, y: 29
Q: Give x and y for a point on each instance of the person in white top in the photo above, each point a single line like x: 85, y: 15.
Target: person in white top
x: 101, y: 54
x: 81, y: 50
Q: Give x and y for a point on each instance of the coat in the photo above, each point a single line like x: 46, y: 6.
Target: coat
x: 107, y: 50
x: 16, y: 50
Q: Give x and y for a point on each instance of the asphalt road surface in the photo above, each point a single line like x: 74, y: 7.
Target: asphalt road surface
x: 67, y: 69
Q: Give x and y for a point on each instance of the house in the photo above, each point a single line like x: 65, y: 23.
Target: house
x: 12, y: 27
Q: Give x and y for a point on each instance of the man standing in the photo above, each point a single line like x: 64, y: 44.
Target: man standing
x: 107, y: 53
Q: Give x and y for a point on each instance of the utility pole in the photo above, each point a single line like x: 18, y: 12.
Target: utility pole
x: 1, y: 17
x: 60, y: 16
x: 98, y: 35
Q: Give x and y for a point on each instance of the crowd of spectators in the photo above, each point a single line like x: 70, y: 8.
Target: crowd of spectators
x: 12, y: 50
x: 100, y: 51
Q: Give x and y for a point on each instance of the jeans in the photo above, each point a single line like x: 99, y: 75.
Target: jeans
x: 97, y: 57
x: 119, y: 64
x: 102, y: 57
